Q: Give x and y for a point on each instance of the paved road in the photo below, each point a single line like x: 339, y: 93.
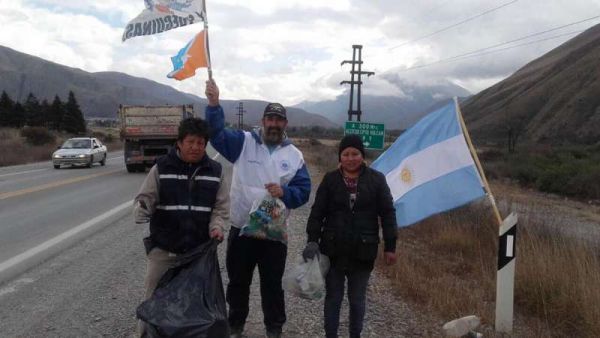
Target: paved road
x: 89, y: 286
x: 38, y: 202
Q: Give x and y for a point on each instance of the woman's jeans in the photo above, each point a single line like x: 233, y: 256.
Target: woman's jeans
x: 358, y: 279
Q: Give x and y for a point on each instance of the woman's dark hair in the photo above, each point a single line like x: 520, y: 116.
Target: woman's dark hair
x: 193, y: 126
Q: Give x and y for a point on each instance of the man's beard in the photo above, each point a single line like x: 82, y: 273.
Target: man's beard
x: 273, y: 135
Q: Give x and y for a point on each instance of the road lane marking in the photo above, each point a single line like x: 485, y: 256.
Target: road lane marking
x: 54, y: 184
x: 15, y: 285
x: 23, y: 172
x: 20, y: 258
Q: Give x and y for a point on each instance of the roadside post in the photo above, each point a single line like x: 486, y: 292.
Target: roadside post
x: 505, y: 275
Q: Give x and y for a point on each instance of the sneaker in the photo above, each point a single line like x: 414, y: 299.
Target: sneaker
x: 236, y: 332
x: 273, y: 333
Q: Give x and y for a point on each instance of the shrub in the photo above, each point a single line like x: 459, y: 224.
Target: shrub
x: 314, y: 142
x: 490, y: 155
x: 37, y: 136
x: 585, y: 183
x: 525, y: 172
x: 555, y: 179
x: 109, y: 138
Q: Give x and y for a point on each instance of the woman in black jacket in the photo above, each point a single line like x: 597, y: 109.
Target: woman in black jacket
x: 350, y: 204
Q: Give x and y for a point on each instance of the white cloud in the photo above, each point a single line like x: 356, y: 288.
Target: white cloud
x: 272, y: 6
x: 290, y: 51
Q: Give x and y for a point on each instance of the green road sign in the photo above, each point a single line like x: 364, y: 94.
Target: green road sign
x: 372, y: 134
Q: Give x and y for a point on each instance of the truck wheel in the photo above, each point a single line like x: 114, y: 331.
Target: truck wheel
x: 57, y: 166
x: 131, y: 168
x: 103, y: 162
x: 89, y: 164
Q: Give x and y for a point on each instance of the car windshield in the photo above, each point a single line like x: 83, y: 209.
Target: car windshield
x: 77, y: 144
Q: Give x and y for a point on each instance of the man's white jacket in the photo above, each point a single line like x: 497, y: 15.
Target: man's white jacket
x: 254, y: 166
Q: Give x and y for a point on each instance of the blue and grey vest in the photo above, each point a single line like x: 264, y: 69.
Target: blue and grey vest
x: 187, y: 194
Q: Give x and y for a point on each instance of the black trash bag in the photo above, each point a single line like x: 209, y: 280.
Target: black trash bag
x: 189, y: 300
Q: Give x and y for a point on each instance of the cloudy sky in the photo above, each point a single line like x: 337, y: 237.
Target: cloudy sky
x: 290, y: 50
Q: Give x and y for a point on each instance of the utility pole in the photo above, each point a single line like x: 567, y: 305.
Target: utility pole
x: 240, y: 115
x: 355, y: 81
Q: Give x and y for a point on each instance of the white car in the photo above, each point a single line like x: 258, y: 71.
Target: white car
x: 80, y: 151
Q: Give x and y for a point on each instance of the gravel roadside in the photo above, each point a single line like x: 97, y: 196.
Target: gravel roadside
x: 93, y: 288
x: 387, y: 314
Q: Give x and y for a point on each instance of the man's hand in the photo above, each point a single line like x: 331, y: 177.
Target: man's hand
x: 389, y: 257
x: 216, y: 234
x: 141, y: 212
x: 212, y: 93
x: 274, y: 189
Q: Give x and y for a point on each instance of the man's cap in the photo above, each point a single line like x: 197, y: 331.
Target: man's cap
x: 275, y: 109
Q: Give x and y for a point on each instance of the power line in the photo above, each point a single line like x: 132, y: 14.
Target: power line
x: 456, y: 24
x: 470, y: 54
x: 526, y: 37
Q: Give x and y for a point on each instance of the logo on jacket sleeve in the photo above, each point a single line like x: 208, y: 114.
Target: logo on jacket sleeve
x: 285, y: 165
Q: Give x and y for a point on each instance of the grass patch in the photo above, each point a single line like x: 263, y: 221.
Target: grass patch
x: 447, y: 263
x: 29, y: 145
x: 568, y: 171
x: 18, y: 151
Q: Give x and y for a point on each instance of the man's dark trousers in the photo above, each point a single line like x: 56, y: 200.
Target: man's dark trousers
x: 243, y: 254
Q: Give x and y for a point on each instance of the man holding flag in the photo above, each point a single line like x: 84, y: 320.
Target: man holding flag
x: 264, y: 162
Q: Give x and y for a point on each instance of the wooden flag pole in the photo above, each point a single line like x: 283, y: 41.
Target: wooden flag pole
x: 505, y: 275
x: 209, y: 68
x: 486, y: 185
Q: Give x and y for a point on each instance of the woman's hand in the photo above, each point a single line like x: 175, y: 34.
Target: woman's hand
x: 389, y: 257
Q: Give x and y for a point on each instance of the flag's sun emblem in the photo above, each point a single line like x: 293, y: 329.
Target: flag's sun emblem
x: 405, y: 175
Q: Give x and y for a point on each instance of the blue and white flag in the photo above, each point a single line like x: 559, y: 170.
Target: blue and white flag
x: 429, y: 168
x: 163, y: 15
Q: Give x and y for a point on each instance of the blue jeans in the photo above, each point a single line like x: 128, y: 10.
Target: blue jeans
x: 358, y: 279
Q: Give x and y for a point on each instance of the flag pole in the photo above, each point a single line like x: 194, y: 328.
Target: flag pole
x: 478, y: 164
x: 505, y: 274
x: 209, y: 68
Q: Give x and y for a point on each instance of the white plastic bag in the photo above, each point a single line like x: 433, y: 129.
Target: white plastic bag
x: 307, y: 279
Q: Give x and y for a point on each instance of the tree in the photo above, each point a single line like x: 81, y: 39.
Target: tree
x: 72, y: 121
x: 17, y: 119
x: 55, y: 113
x: 514, y: 125
x: 6, y: 109
x: 33, y: 113
x: 44, y: 117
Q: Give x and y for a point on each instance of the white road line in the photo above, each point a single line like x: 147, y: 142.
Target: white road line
x: 15, y: 285
x: 23, y: 172
x: 9, y: 263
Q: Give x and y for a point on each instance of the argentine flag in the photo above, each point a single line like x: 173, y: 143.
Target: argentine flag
x: 429, y: 168
x: 191, y: 57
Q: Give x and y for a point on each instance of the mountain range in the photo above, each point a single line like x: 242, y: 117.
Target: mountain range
x: 554, y: 99
x: 99, y: 94
x: 396, y: 112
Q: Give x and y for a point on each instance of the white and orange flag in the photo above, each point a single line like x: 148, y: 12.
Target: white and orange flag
x: 191, y: 57
x: 163, y: 15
